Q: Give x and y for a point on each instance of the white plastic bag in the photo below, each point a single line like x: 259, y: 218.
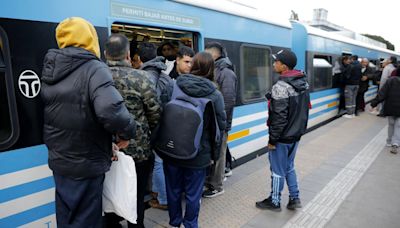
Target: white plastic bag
x: 120, y: 188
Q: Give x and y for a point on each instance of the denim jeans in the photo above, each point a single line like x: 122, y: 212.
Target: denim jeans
x: 282, y: 167
x: 158, y: 182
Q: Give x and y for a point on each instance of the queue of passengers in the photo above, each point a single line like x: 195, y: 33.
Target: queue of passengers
x: 354, y: 77
x: 90, y: 106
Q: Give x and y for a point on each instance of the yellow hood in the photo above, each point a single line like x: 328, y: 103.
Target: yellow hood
x: 77, y: 32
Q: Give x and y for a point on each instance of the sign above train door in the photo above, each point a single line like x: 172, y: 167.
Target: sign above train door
x: 29, y: 84
x: 135, y: 12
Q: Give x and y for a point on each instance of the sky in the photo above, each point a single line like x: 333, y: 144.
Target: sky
x: 371, y: 17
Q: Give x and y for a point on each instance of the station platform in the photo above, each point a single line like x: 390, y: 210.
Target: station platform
x: 347, y: 178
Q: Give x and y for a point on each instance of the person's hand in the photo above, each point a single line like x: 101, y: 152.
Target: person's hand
x: 364, y: 78
x: 122, y: 144
x: 115, y: 149
x: 271, y: 147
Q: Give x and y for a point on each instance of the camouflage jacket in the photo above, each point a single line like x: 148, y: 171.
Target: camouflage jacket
x: 142, y: 102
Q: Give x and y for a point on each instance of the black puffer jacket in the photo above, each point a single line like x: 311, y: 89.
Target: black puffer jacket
x: 355, y: 74
x: 227, y: 82
x: 82, y: 111
x: 390, y: 93
x: 289, y: 106
x: 196, y: 86
x: 163, y: 82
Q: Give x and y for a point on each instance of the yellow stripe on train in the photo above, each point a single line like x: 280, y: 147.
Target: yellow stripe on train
x: 238, y: 135
x: 332, y: 104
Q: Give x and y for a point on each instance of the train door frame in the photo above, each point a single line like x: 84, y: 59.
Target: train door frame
x: 11, y: 107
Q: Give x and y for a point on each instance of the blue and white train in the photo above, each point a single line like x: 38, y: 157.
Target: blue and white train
x: 27, y: 31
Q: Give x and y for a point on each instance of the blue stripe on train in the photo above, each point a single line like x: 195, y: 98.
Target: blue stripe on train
x: 324, y: 93
x: 26, y: 189
x: 324, y: 102
x: 246, y: 139
x: 245, y: 110
x: 15, y: 160
x: 249, y: 124
x: 28, y: 216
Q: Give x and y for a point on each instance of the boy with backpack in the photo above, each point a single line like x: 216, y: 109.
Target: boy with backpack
x: 188, y: 138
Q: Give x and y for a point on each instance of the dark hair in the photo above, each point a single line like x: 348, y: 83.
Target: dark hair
x: 185, y: 51
x: 203, y: 65
x: 354, y: 57
x: 159, y: 49
x: 134, y: 49
x: 217, y: 46
x: 117, y: 46
x: 393, y: 60
x: 147, y: 51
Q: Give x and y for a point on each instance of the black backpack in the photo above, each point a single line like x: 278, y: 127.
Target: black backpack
x: 181, y: 128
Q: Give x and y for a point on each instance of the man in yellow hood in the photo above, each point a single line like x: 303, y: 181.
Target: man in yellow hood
x: 77, y: 32
x: 82, y: 110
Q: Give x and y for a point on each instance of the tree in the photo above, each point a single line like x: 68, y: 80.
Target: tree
x: 389, y: 45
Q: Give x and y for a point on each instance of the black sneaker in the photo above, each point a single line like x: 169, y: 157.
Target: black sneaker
x: 268, y: 205
x: 211, y: 192
x: 394, y: 149
x: 293, y: 204
x: 228, y: 172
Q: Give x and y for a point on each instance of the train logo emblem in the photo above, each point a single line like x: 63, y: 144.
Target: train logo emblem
x: 29, y: 84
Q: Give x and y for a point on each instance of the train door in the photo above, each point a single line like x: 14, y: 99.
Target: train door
x: 9, y: 127
x: 157, y: 36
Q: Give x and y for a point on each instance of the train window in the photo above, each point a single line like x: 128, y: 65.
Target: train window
x: 322, y: 73
x: 9, y: 130
x: 255, y: 72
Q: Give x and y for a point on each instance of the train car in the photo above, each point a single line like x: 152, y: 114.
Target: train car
x: 318, y: 53
x: 27, y: 31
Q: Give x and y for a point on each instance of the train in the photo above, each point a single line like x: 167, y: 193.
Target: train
x: 27, y: 31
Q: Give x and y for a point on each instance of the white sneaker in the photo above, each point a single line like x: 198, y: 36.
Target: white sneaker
x: 348, y: 116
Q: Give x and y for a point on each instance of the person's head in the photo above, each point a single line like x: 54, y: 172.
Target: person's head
x: 184, y: 60
x: 203, y: 65
x: 146, y: 52
x: 167, y: 50
x: 215, y: 49
x: 364, y: 62
x: 117, y: 48
x: 346, y: 60
x: 135, y: 60
x: 77, y: 32
x: 354, y: 58
x: 284, y: 60
x: 385, y: 62
x: 393, y: 60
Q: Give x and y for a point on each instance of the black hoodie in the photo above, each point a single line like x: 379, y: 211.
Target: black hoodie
x: 197, y: 86
x: 163, y: 83
x: 289, y: 106
x: 227, y: 83
x: 82, y: 111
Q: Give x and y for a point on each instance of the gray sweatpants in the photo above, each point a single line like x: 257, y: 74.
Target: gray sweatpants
x: 217, y: 171
x: 350, y: 95
x: 393, y: 130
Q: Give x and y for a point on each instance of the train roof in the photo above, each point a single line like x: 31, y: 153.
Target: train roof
x: 236, y: 9
x: 322, y: 33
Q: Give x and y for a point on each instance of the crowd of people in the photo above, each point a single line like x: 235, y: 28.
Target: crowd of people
x: 92, y: 109
x: 353, y: 78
